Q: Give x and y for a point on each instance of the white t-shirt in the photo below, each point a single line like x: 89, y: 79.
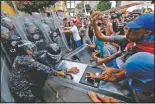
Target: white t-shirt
x: 75, y: 32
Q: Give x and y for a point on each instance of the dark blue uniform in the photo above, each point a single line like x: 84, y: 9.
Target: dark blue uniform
x: 27, y: 78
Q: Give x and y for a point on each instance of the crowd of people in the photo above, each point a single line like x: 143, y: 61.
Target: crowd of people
x: 124, y: 43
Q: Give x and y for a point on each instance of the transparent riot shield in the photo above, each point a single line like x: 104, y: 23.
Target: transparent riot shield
x: 57, y: 22
x: 50, y: 22
x: 16, y: 34
x: 34, y: 32
x: 37, y: 16
x: 16, y: 23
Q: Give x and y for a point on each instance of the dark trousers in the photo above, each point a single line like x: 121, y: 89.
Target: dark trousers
x: 68, y: 38
x: 37, y: 96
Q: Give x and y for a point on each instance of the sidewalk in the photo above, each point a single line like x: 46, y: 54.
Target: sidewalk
x: 65, y: 94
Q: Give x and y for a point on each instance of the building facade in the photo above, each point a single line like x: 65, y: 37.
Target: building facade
x: 70, y: 4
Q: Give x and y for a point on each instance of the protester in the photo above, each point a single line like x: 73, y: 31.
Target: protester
x: 82, y: 32
x: 141, y: 32
x: 75, y: 33
x: 108, y: 29
x: 68, y: 35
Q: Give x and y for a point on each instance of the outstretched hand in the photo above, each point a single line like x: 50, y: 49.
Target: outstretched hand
x: 106, y: 99
x: 107, y: 73
x: 90, y: 75
x: 74, y: 70
x: 95, y: 16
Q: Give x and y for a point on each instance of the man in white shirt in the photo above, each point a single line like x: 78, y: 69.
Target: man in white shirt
x: 75, y: 33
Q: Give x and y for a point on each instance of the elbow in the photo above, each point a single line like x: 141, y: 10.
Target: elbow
x: 100, y: 38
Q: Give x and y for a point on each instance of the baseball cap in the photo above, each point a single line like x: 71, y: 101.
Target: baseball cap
x: 143, y: 21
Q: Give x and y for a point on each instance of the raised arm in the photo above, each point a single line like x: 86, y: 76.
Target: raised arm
x: 96, y: 29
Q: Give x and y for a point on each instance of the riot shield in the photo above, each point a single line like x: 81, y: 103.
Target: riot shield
x: 58, y: 23
x: 50, y: 22
x: 37, y: 16
x: 16, y: 23
x: 34, y: 32
x: 15, y: 34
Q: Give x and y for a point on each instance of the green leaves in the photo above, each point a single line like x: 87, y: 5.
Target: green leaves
x: 103, y: 5
x: 32, y: 6
x: 79, y: 6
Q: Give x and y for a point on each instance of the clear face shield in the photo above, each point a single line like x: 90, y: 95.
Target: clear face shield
x: 30, y: 27
x: 50, y: 23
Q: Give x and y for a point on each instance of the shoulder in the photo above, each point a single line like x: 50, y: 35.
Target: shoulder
x: 110, y: 24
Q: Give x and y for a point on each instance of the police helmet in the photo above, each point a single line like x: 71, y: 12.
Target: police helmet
x: 30, y: 27
x: 54, y: 52
x: 6, y: 22
x: 24, y: 45
x: 5, y: 31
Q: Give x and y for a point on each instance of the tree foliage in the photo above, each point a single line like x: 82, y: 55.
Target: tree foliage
x: 79, y: 6
x: 103, y: 5
x: 31, y: 6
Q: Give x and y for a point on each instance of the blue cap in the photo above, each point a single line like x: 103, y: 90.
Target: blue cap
x: 143, y: 21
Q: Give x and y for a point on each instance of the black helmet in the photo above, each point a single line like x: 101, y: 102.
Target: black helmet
x: 5, y: 31
x: 54, y: 53
x: 6, y: 22
x: 114, y: 15
x: 24, y: 45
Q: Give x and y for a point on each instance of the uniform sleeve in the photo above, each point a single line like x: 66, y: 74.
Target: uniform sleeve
x: 31, y: 64
x: 120, y: 40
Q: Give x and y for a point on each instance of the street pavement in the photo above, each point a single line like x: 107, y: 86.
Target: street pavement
x: 65, y: 94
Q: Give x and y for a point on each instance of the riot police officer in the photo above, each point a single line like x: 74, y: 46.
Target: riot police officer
x: 6, y: 22
x: 25, y: 83
x: 35, y: 35
x: 52, y: 57
x: 9, y: 42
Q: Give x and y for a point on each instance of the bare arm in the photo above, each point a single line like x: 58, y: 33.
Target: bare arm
x: 111, y: 29
x: 99, y: 34
x: 106, y: 59
x: 91, y: 46
x: 66, y: 31
x: 120, y: 75
x: 67, y: 28
x: 114, y: 44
